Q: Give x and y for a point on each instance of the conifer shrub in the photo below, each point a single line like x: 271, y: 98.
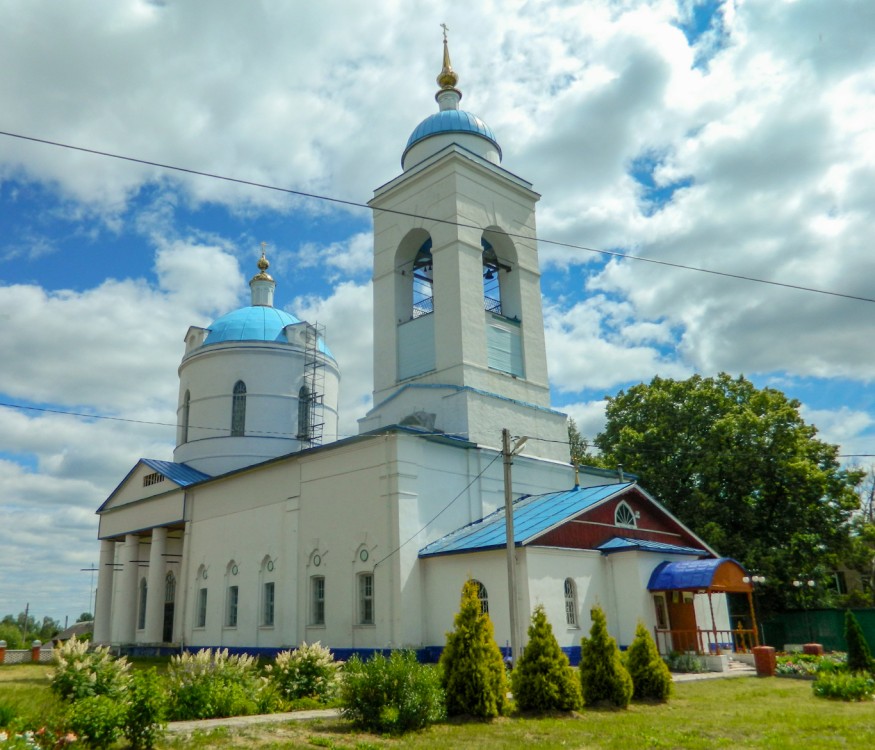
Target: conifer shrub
x: 859, y: 655
x: 146, y: 710
x: 651, y: 679
x: 603, y: 678
x: 543, y: 680
x: 393, y: 695
x: 473, y: 675
x: 81, y: 673
x: 306, y: 672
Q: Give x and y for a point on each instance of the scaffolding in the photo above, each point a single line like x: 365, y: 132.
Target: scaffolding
x: 311, y: 404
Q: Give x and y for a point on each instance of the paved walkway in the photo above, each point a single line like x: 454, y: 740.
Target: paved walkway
x: 204, y: 725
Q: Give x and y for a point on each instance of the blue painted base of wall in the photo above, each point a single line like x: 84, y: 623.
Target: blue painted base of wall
x: 426, y: 655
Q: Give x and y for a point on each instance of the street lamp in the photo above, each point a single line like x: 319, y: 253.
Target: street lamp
x: 801, y: 586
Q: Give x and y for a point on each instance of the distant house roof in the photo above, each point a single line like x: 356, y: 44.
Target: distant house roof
x: 533, y: 515
x: 182, y: 474
x: 77, y: 629
x: 625, y: 544
x: 717, y: 574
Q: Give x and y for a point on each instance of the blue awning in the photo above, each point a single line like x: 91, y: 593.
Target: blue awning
x: 699, y: 575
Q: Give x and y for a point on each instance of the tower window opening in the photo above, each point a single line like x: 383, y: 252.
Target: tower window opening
x: 423, y: 281
x: 238, y: 410
x: 492, y: 269
x: 186, y: 411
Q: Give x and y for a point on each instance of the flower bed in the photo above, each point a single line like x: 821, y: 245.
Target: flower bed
x: 808, y: 666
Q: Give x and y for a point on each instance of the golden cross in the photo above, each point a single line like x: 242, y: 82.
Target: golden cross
x: 446, y: 29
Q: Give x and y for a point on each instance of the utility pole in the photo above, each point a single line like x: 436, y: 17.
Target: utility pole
x: 509, y: 452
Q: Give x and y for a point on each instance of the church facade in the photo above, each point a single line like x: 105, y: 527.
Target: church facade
x: 266, y: 530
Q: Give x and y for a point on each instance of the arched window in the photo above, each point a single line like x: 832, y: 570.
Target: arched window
x: 170, y: 588
x: 423, y: 281
x: 570, y: 603
x: 366, y: 598
x: 238, y: 410
x: 304, y: 413
x: 624, y: 516
x: 141, y: 605
x: 491, y: 283
x: 483, y: 596
x: 186, y: 410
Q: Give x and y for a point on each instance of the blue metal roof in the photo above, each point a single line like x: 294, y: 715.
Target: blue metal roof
x: 532, y: 516
x: 450, y: 121
x: 254, y: 323
x: 687, y: 574
x: 623, y: 544
x: 182, y: 474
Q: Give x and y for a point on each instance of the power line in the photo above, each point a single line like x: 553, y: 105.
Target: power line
x: 357, y: 204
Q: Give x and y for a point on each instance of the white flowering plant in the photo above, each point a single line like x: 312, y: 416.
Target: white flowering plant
x: 81, y: 672
x: 306, y: 672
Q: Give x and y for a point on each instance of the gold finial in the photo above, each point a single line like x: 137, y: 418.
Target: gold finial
x: 447, y: 78
x: 263, y: 265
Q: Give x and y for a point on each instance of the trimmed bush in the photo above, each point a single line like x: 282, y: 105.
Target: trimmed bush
x: 212, y: 684
x: 395, y: 695
x: 543, y: 680
x: 651, y: 679
x: 97, y: 720
x: 859, y: 655
x: 80, y: 673
x: 307, y: 672
x: 603, y: 678
x: 473, y: 675
x: 845, y: 686
x: 146, y: 710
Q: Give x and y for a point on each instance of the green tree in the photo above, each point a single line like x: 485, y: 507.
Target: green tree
x: 740, y: 467
x: 603, y: 678
x: 651, y: 679
x: 472, y: 674
x: 543, y: 680
x: 859, y: 654
x: 11, y: 633
x: 85, y: 617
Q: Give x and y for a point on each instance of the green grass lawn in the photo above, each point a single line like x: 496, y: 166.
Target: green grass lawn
x: 724, y: 713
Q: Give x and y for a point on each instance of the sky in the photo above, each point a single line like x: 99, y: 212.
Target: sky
x: 728, y: 135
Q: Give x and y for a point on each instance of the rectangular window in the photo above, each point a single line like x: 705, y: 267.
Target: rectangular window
x: 366, y: 599
x: 317, y: 606
x: 231, y: 612
x: 201, y: 608
x: 267, y: 610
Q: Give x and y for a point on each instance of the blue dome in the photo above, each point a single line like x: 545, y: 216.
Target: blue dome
x: 254, y: 323
x: 451, y: 121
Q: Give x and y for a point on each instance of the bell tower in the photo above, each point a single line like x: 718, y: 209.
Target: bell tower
x: 458, y: 325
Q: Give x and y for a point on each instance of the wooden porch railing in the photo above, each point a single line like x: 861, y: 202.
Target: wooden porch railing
x: 701, y: 641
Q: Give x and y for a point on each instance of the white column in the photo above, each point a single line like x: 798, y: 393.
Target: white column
x: 155, y: 584
x: 103, y: 602
x: 126, y: 612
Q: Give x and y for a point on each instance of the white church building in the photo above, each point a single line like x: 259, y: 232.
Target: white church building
x: 266, y: 530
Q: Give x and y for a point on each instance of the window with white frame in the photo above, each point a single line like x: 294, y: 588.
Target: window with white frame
x: 231, y: 607
x: 201, y: 620
x: 267, y: 607
x: 483, y: 596
x: 317, y: 600
x: 570, y: 603
x: 624, y: 516
x: 366, y: 598
x: 141, y: 607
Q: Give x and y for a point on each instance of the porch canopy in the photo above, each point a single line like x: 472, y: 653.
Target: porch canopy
x: 717, y: 575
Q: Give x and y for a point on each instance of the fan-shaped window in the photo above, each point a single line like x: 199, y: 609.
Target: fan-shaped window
x: 141, y: 606
x: 483, y: 596
x: 186, y: 410
x: 238, y: 410
x: 423, y: 281
x: 624, y: 516
x: 570, y: 603
x: 304, y: 413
